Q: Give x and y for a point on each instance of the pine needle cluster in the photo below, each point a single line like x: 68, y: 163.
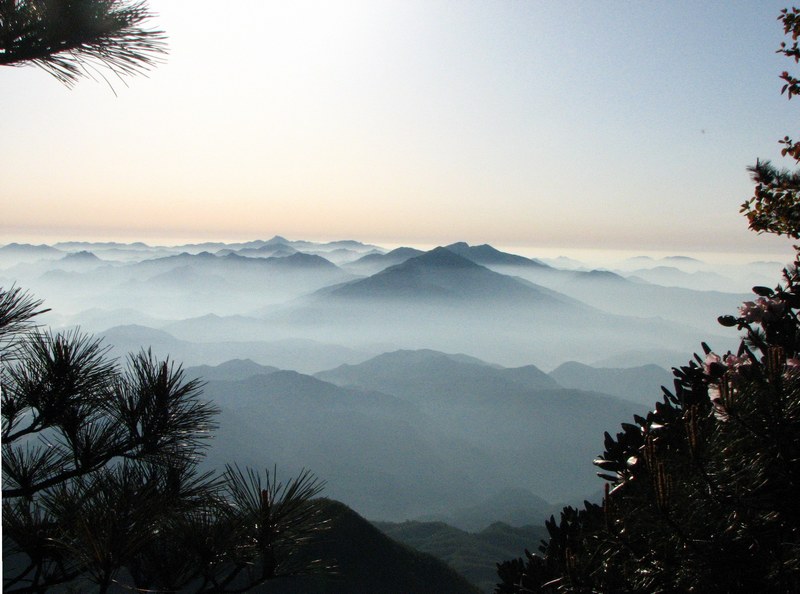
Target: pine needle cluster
x: 101, y: 481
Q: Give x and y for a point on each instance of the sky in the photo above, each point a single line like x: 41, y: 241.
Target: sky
x: 529, y: 124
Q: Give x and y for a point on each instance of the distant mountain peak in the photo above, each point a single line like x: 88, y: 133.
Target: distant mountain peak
x: 441, y: 257
x: 301, y: 259
x: 81, y: 256
x: 682, y: 259
x: 19, y: 247
x: 488, y: 255
x: 402, y: 251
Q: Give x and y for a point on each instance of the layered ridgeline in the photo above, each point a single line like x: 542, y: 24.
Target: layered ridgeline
x: 445, y: 301
x: 469, y: 553
x: 475, y: 299
x: 419, y: 434
x: 457, y: 428
x: 337, y: 357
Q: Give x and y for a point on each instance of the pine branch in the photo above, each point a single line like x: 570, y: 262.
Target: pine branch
x: 79, y: 38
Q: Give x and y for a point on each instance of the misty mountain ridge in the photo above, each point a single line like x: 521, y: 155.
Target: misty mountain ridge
x: 81, y: 256
x: 299, y: 354
x: 439, y: 274
x: 436, y: 299
x: 442, y: 301
x: 639, y: 384
x: 339, y: 356
x: 469, y: 551
x: 235, y: 369
x: 487, y: 255
x: 373, y: 263
x: 456, y: 427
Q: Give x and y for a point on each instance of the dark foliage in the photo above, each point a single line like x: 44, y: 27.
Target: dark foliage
x: 101, y: 485
x: 370, y: 562
x: 71, y: 39
x: 702, y: 492
x: 774, y: 207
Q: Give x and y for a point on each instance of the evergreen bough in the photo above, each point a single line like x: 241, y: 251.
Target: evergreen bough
x: 101, y: 486
x: 72, y: 39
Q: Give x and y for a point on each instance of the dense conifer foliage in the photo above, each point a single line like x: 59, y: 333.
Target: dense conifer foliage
x: 101, y: 487
x: 71, y: 39
x: 702, y: 492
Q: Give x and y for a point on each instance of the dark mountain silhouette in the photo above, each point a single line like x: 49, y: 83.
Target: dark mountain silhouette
x: 261, y: 247
x: 144, y: 336
x: 512, y: 505
x: 82, y: 260
x: 370, y: 562
x: 472, y: 554
x: 121, y: 252
x: 81, y: 256
x: 255, y: 244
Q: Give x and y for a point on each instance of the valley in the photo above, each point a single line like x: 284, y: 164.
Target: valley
x: 456, y: 387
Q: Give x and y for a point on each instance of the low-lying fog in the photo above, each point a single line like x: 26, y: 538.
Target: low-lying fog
x: 412, y: 381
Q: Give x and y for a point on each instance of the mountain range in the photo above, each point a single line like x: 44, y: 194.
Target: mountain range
x: 461, y: 430
x: 439, y: 390
x: 351, y: 370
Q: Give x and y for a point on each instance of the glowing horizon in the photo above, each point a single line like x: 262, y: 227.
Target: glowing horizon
x: 574, y: 126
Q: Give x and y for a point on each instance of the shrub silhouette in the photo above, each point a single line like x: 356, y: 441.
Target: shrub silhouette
x: 702, y: 493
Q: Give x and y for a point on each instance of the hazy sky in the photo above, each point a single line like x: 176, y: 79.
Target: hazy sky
x: 623, y: 125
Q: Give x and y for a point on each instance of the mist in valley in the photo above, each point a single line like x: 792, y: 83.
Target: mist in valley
x: 461, y: 383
